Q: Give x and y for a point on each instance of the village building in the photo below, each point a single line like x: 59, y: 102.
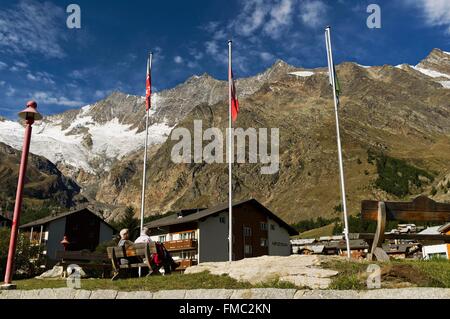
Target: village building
x: 201, y: 235
x: 83, y: 228
x: 440, y: 250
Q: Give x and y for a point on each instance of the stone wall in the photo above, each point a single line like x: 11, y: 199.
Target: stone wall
x: 255, y: 293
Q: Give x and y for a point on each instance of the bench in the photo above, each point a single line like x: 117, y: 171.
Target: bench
x: 137, y: 255
x: 420, y: 209
x: 85, y: 259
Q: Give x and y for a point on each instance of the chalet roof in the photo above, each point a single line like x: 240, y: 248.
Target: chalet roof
x: 434, y: 230
x: 53, y: 217
x: 174, y: 219
x: 444, y: 228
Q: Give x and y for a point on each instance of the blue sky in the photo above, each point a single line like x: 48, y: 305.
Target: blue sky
x: 63, y: 68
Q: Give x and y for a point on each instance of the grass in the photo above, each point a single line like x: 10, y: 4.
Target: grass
x: 203, y: 280
x: 396, y: 274
x: 352, y: 275
x: 317, y: 232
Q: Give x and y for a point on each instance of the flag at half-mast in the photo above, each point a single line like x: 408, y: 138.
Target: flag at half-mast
x: 148, y: 86
x: 234, y: 99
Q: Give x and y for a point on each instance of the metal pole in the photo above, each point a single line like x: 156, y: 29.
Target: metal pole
x: 144, y: 174
x: 230, y: 142
x: 341, y: 165
x: 18, y: 203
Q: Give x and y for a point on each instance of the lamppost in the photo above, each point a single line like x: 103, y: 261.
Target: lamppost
x: 30, y: 114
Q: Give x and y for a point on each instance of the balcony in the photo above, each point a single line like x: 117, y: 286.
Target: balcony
x: 183, y: 244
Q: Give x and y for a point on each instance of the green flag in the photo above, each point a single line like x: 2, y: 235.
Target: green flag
x: 336, y: 82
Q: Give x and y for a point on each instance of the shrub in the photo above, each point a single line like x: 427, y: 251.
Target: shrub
x: 27, y: 260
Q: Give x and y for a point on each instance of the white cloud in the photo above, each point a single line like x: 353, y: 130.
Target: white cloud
x: 2, y: 83
x: 10, y: 91
x: 100, y: 94
x: 212, y: 47
x: 82, y: 74
x: 266, y: 56
x: 252, y: 17
x: 197, y: 55
x: 313, y: 13
x: 436, y: 12
x: 43, y: 77
x: 280, y: 17
x: 32, y: 26
x: 3, y: 65
x: 20, y: 64
x: 178, y: 59
x: 192, y: 65
x: 49, y: 98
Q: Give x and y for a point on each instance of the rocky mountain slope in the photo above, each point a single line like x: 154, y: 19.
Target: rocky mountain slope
x: 395, y: 126
x: 44, y: 182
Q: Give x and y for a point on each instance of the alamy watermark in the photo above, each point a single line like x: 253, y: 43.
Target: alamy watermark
x: 74, y: 19
x: 374, y: 279
x: 191, y: 149
x: 73, y: 276
x: 374, y: 19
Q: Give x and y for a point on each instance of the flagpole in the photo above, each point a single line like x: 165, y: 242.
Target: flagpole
x: 230, y: 193
x: 336, y: 103
x: 144, y: 173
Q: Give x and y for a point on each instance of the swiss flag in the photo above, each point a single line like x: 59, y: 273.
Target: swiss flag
x: 234, y: 99
x: 148, y: 86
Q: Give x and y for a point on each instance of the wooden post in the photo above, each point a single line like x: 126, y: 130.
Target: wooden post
x: 377, y: 252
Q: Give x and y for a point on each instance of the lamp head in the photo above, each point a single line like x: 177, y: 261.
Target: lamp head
x: 30, y: 113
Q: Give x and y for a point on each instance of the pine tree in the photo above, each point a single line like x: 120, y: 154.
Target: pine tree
x: 129, y: 221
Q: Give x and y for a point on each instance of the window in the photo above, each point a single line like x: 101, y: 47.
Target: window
x: 264, y: 226
x: 248, y: 249
x: 162, y: 239
x: 272, y: 227
x: 222, y: 220
x: 264, y: 242
x: 187, y: 235
x: 247, y: 231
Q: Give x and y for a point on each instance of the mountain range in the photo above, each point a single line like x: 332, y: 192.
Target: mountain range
x: 395, y: 131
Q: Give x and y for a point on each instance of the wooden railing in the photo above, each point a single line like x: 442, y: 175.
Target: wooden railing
x: 182, y: 244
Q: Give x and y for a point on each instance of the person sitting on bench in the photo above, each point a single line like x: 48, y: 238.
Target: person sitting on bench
x: 124, y: 238
x: 145, y: 236
x: 125, y: 242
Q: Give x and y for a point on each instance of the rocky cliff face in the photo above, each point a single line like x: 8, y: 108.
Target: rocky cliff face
x: 395, y: 127
x: 43, y: 183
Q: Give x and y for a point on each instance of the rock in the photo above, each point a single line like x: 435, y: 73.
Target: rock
x: 134, y: 295
x: 65, y: 293
x: 82, y: 294
x: 55, y: 272
x: 170, y: 294
x: 11, y: 294
x: 209, y: 294
x: 408, y: 293
x: 263, y: 293
x: 327, y: 294
x: 103, y: 294
x: 301, y: 270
